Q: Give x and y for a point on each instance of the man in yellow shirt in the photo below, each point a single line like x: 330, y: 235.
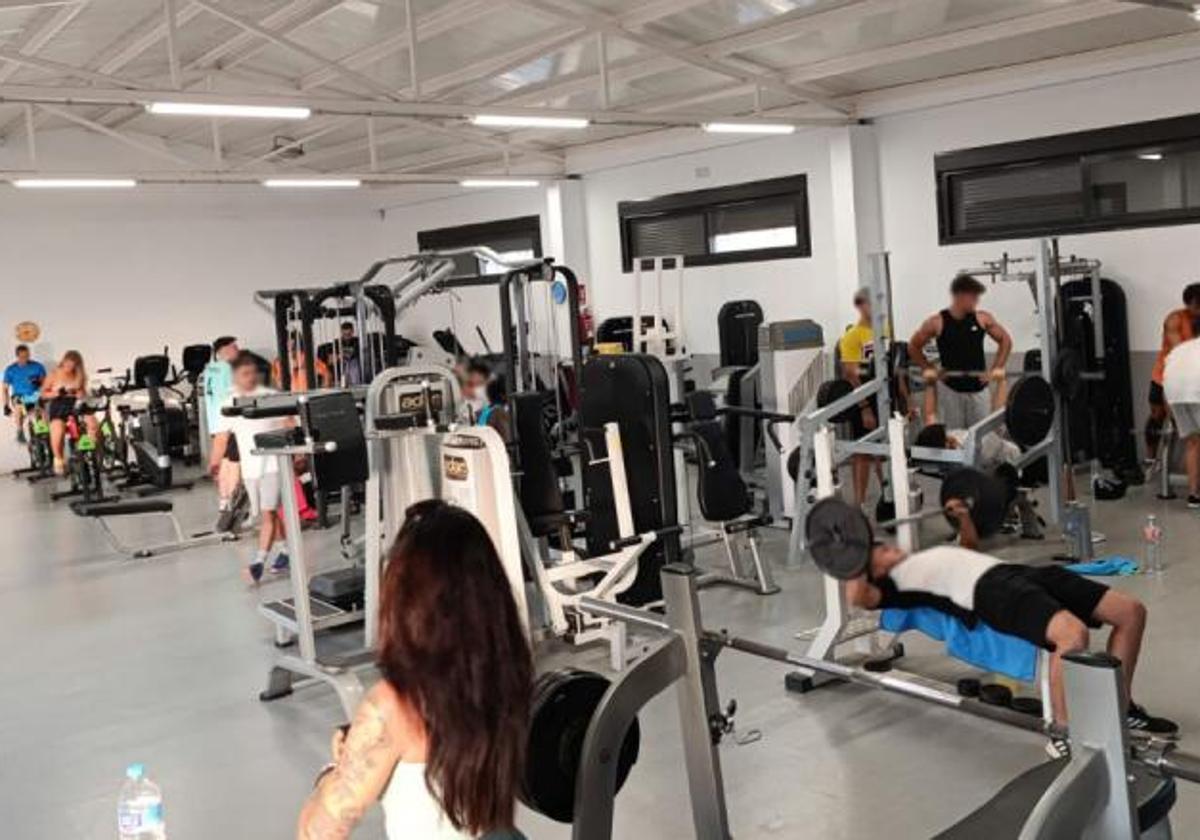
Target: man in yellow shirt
x: 856, y: 349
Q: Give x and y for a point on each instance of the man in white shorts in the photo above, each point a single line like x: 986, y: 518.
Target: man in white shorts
x: 260, y: 474
x: 1181, y: 387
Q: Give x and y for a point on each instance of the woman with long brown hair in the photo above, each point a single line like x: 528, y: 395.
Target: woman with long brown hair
x: 65, y: 385
x: 440, y: 740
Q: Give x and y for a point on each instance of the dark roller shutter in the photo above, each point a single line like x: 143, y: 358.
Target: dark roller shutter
x: 1017, y: 198
x: 665, y: 236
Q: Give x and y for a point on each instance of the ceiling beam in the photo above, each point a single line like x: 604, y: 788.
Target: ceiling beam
x: 327, y: 105
x: 27, y: 5
x: 299, y: 49
x: 972, y: 36
x: 205, y: 176
x: 446, y: 17
x: 1088, y: 65
x: 681, y: 52
x: 132, y: 142
x: 67, y: 70
x: 283, y: 21
x: 41, y: 32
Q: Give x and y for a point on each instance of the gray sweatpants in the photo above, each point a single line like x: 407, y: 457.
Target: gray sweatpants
x: 962, y: 409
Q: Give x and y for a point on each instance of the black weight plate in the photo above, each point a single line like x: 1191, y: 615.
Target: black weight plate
x: 1068, y: 373
x: 968, y: 687
x: 831, y: 392
x: 839, y: 538
x: 1029, y: 412
x: 563, y: 705
x: 994, y: 694
x: 984, y: 495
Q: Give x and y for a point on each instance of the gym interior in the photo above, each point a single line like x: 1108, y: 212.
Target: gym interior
x: 590, y: 418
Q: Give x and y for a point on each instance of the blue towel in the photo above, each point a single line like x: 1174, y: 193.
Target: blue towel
x: 1109, y: 566
x: 980, y: 645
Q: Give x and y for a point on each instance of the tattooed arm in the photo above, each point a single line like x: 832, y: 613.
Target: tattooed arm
x: 363, y: 763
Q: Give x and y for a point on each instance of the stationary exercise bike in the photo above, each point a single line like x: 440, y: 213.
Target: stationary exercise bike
x: 36, y: 434
x: 83, y: 458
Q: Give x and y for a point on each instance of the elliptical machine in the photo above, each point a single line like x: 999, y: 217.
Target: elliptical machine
x: 154, y: 432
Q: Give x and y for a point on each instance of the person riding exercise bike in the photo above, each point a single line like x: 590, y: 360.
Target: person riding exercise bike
x: 19, y: 388
x: 1047, y: 606
x: 67, y: 383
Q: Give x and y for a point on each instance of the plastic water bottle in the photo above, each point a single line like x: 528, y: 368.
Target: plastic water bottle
x: 1152, y: 535
x: 140, y: 807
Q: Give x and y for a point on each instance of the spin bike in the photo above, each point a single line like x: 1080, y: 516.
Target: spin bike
x: 84, y: 459
x: 37, y: 443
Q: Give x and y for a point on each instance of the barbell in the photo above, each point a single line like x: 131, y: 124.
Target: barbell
x: 1028, y: 411
x: 840, y: 537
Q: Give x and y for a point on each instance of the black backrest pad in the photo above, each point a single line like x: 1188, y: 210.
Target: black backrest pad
x: 538, y: 483
x: 334, y: 417
x: 633, y: 392
x: 737, y: 332
x: 719, y: 487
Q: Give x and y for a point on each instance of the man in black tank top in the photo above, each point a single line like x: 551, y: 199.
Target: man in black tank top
x: 958, y: 330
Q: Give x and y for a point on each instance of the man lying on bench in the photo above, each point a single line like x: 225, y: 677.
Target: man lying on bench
x: 1045, y: 605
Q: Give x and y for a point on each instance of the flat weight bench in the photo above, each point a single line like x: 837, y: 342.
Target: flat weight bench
x: 103, y: 511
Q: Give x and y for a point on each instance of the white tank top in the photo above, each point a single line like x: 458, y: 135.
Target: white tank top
x: 411, y: 812
x: 948, y: 571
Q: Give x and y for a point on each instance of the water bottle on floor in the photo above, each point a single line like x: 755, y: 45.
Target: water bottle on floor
x: 1152, y: 535
x: 140, y: 807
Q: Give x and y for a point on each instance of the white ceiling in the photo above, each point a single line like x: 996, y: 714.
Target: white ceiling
x: 634, y: 66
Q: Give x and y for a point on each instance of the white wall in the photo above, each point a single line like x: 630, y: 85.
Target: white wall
x: 794, y: 288
x: 1152, y: 264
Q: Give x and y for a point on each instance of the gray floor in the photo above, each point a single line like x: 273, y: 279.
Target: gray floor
x: 111, y: 661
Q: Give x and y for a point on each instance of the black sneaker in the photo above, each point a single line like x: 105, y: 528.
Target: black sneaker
x: 1193, y: 502
x: 1139, y: 720
x: 1058, y: 747
x: 254, y: 573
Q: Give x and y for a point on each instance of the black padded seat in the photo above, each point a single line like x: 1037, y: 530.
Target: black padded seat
x: 131, y: 507
x: 720, y: 490
x: 1004, y: 815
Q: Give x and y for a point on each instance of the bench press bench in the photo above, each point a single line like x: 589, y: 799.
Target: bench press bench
x: 103, y: 511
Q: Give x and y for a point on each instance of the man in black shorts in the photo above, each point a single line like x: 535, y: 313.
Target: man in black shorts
x: 1046, y: 605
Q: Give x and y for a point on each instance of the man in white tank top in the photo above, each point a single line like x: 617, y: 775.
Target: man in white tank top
x: 1045, y: 605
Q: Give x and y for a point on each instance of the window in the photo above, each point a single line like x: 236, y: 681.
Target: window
x: 512, y: 239
x: 763, y: 220
x: 1133, y: 175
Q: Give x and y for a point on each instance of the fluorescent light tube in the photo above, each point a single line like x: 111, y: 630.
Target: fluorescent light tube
x: 1150, y: 156
x: 496, y: 182
x: 313, y: 183
x: 216, y: 109
x: 73, y: 183
x: 500, y: 120
x: 749, y: 128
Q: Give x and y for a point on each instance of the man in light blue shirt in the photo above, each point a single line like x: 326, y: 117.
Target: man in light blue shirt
x: 21, y: 386
x: 217, y: 382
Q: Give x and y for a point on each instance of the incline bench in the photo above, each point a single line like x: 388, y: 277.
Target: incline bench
x: 103, y: 511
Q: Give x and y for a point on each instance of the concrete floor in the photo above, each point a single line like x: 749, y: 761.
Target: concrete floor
x: 111, y: 661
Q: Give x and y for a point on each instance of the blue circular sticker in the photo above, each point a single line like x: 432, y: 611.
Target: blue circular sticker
x: 559, y: 291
